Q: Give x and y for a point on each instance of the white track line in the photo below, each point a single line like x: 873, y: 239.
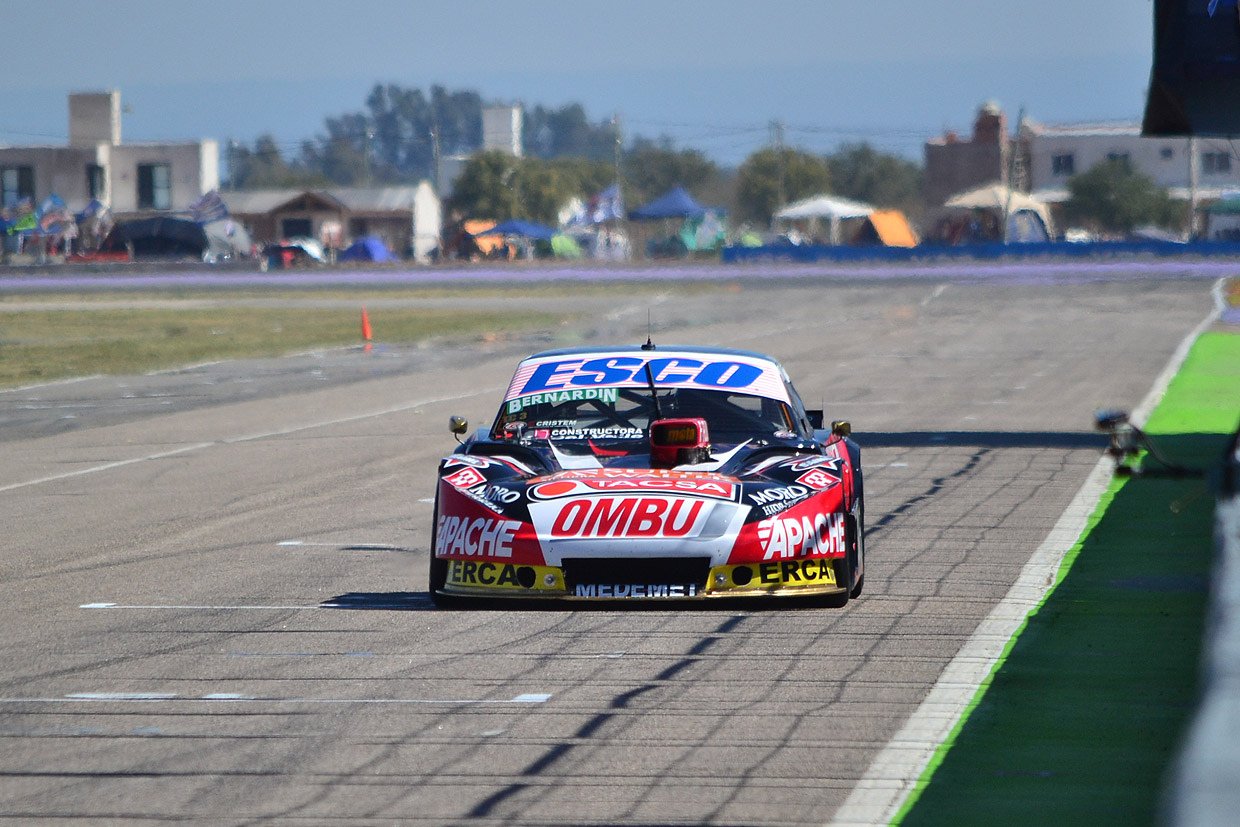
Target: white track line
x: 188, y: 608
x: 68, y: 381
x: 891, y: 777
x: 238, y: 608
x: 107, y: 466
x: 249, y: 438
x: 169, y: 697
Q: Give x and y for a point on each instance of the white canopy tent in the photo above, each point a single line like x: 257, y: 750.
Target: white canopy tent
x: 829, y: 207
x: 1002, y: 198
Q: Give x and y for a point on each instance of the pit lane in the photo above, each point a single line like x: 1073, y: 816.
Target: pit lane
x: 215, y: 607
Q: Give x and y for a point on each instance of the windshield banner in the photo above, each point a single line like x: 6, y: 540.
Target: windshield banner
x: 554, y: 375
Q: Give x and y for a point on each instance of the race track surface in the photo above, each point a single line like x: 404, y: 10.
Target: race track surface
x: 214, y: 579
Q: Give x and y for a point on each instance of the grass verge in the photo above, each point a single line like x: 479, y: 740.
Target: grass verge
x: 48, y: 344
x: 1084, y: 711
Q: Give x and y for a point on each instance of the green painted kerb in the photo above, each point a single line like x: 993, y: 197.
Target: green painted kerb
x: 1081, y: 715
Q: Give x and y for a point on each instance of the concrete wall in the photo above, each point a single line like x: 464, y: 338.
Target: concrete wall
x: 952, y: 168
x: 59, y: 170
x: 94, y: 118
x: 501, y: 129
x: 194, y: 170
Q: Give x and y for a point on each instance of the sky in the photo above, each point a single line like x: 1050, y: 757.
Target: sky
x: 710, y: 74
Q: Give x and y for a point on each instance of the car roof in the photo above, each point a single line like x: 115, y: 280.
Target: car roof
x: 577, y: 370
x: 703, y: 349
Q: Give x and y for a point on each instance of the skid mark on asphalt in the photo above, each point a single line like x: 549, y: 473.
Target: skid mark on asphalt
x: 938, y: 291
x: 343, y: 546
x: 230, y: 697
x: 240, y: 440
x: 936, y: 485
x: 389, y: 601
x: 591, y: 727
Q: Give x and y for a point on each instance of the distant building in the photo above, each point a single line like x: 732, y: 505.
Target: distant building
x: 450, y: 169
x: 954, y: 165
x: 407, y: 219
x: 135, y: 178
x: 501, y: 129
x: 1190, y: 169
x: 1048, y: 155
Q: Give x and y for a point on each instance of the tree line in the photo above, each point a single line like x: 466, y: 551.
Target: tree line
x: 398, y: 134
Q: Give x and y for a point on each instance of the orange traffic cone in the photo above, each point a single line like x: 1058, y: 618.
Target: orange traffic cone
x: 366, y: 329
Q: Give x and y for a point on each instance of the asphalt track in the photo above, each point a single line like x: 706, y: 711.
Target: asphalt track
x: 214, y: 578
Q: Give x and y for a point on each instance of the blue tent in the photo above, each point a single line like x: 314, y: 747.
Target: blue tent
x: 1026, y: 227
x: 517, y: 226
x: 676, y: 203
x: 367, y: 249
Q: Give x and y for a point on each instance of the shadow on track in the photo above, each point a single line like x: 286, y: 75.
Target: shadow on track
x: 981, y: 439
x: 381, y: 601
x: 421, y: 602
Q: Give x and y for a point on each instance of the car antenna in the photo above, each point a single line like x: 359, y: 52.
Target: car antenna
x: 654, y: 395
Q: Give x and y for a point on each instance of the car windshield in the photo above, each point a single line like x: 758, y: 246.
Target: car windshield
x: 623, y: 415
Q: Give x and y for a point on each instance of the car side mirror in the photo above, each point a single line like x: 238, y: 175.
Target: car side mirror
x: 841, y: 427
x: 458, y: 425
x: 815, y: 419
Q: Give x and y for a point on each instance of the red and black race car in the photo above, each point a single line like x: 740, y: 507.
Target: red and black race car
x: 646, y: 473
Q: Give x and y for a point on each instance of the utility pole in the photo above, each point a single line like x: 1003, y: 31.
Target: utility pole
x: 370, y: 133
x: 777, y: 139
x: 1194, y: 168
x: 615, y: 124
x: 1015, y: 165
x: 435, y: 156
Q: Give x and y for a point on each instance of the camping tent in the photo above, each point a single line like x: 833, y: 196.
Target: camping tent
x: 471, y: 241
x: 367, y: 249
x: 565, y: 246
x: 888, y: 228
x: 525, y: 229
x: 824, y: 206
x: 995, y: 197
x: 701, y: 228
x: 675, y: 203
x: 1009, y: 202
x: 829, y: 207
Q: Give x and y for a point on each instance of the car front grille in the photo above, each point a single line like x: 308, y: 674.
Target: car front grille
x: 672, y: 571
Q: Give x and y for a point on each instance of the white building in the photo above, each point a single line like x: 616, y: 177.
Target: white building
x: 407, y: 219
x: 128, y: 178
x: 1191, y: 169
x: 501, y: 129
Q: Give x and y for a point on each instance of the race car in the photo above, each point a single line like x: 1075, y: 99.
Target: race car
x: 649, y: 473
